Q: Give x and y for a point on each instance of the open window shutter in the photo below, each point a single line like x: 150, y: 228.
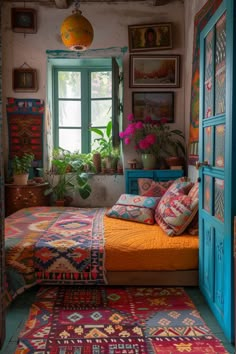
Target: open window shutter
x: 117, y: 99
x: 2, y: 213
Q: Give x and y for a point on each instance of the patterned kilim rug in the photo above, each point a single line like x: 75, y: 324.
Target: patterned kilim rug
x: 112, y: 320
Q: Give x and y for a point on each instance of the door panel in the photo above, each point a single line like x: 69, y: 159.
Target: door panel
x: 2, y: 213
x: 215, y: 255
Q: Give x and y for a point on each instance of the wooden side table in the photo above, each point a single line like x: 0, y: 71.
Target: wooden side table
x: 18, y: 197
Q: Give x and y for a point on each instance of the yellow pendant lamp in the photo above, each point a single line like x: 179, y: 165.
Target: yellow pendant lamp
x: 76, y: 31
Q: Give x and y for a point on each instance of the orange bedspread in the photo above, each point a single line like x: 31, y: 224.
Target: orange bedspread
x: 131, y: 246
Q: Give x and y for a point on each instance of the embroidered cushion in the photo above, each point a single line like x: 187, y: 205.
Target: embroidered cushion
x: 180, y: 185
x: 192, y: 228
x: 134, y: 208
x: 176, y: 209
x: 148, y: 187
x: 177, y: 213
x: 193, y: 193
x: 132, y: 213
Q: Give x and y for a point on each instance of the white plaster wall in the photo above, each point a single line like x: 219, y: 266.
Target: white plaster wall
x: 105, y: 191
x: 110, y: 23
x: 191, y: 8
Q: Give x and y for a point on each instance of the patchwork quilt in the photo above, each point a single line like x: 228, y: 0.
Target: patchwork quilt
x: 54, y: 245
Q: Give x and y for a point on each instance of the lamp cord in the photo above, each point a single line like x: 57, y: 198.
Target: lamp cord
x: 77, y: 5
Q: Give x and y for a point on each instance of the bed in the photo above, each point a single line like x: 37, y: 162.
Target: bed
x: 84, y: 246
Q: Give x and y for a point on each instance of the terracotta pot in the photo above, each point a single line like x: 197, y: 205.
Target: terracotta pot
x: 21, y: 180
x: 175, y: 161
x: 97, y: 161
x: 60, y: 202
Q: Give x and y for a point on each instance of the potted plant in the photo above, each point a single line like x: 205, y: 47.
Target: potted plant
x: 154, y: 139
x: 109, y: 154
x: 66, y: 175
x: 20, y: 168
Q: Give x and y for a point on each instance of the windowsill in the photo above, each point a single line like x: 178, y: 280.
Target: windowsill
x: 105, y: 174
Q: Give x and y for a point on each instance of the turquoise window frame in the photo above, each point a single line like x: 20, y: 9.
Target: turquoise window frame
x: 85, y: 67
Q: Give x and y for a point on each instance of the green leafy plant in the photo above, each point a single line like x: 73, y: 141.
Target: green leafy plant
x: 66, y: 175
x: 104, y: 141
x: 105, y: 146
x: 21, y: 164
x: 150, y: 136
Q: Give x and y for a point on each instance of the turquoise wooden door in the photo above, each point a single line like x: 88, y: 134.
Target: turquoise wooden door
x: 217, y: 161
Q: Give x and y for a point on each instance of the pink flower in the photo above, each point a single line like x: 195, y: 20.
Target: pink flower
x: 151, y: 139
x: 139, y: 125
x: 130, y: 129
x: 163, y: 121
x: 127, y: 141
x: 130, y: 117
x: 144, y: 144
x: 148, y: 135
x: 148, y: 119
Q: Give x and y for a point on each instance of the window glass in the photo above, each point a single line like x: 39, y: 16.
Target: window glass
x: 101, y: 84
x: 83, y: 99
x: 69, y: 84
x: 94, y: 139
x: 101, y: 112
x: 70, y: 139
x: 69, y: 114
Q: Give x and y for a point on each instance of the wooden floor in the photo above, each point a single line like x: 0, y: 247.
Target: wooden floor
x: 18, y: 313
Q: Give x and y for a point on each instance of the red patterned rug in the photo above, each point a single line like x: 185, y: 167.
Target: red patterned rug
x: 112, y: 320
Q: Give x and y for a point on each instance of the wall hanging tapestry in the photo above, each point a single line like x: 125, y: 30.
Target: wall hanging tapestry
x: 115, y: 320
x: 25, y: 127
x: 200, y: 21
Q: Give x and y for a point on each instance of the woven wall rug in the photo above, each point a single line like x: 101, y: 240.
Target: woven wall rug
x: 115, y: 320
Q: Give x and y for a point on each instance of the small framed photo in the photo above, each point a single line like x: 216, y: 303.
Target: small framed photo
x: 23, y: 20
x: 150, y: 37
x: 25, y: 80
x: 156, y: 105
x: 154, y: 71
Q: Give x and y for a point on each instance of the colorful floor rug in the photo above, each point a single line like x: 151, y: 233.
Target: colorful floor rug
x: 112, y: 320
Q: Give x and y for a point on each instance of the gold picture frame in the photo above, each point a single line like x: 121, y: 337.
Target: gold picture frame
x: 157, y: 105
x: 154, y: 71
x: 149, y: 37
x: 25, y: 80
x: 23, y: 20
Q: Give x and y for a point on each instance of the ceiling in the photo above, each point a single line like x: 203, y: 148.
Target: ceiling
x: 64, y: 4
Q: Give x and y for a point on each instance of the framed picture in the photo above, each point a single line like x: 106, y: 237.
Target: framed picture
x: 150, y: 37
x: 156, y: 105
x: 154, y: 71
x: 25, y: 80
x: 23, y: 20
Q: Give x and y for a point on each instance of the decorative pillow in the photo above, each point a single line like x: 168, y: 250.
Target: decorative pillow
x: 181, y: 185
x: 194, y: 191
x: 149, y: 188
x: 175, y: 203
x: 193, y: 228
x: 132, y: 213
x: 138, y: 200
x: 134, y: 208
x: 175, y: 213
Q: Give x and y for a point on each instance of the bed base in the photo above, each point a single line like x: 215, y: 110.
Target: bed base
x: 153, y: 278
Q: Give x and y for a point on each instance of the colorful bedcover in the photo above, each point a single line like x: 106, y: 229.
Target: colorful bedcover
x: 63, y: 245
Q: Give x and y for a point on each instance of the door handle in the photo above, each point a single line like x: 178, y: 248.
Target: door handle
x: 200, y: 164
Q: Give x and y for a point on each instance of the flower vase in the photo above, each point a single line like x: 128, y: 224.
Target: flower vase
x: 149, y: 161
